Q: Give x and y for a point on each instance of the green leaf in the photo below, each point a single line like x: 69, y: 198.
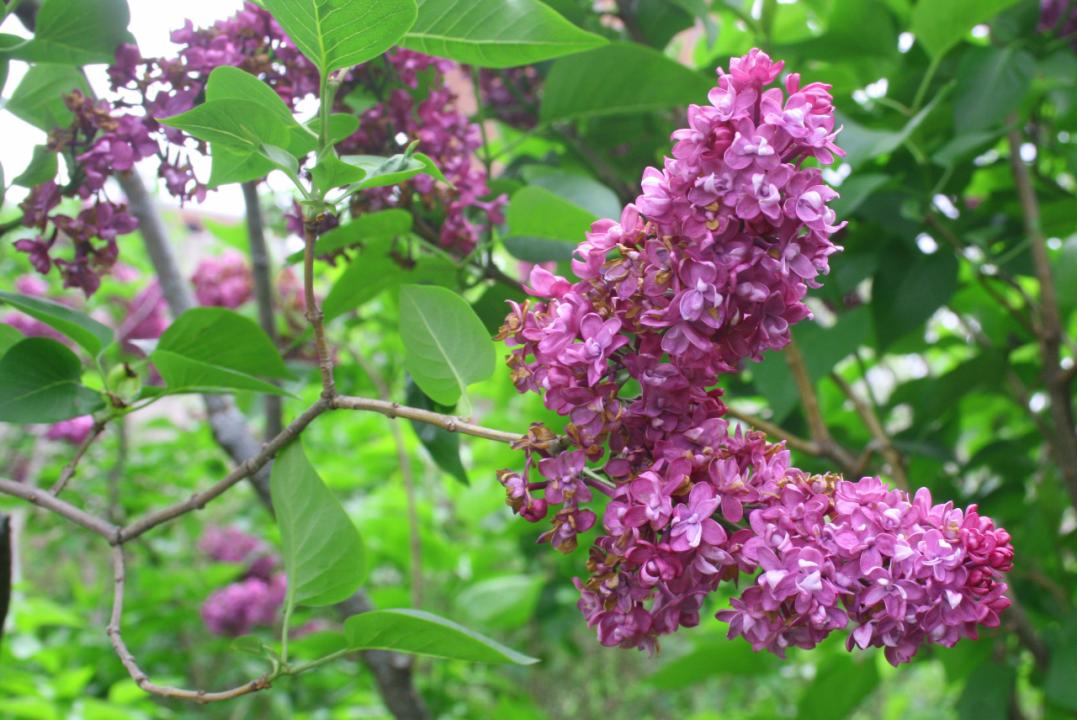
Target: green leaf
x: 1064, y: 268
x: 580, y: 190
x: 323, y: 552
x: 381, y: 224
x: 1059, y: 686
x: 856, y: 30
x: 39, y: 383
x: 506, y: 601
x: 39, y: 98
x: 8, y: 337
x: 42, y: 168
x: 421, y: 633
x: 862, y: 143
x: 446, y: 345
x: 856, y: 190
x: 907, y: 290
x: 217, y: 349
x: 331, y: 172
x: 337, y: 34
x: 236, y: 166
x: 987, y: 693
x: 239, y: 125
x: 86, y: 332
x: 543, y: 226
x: 621, y: 78
x: 939, y: 25
x: 840, y: 685
x: 77, y: 32
x: 377, y: 270
x: 341, y: 126
x: 715, y: 658
x: 443, y: 446
x: 393, y: 170
x: 495, y: 33
x: 991, y: 82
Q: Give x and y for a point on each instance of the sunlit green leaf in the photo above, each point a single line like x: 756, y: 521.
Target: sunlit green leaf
x: 322, y: 550
x: 495, y: 33
x: 421, y: 633
x: 447, y: 346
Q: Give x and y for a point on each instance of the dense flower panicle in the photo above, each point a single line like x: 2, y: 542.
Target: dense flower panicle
x: 238, y: 608
x: 707, y: 268
x: 445, y: 134
x: 223, y: 281
x: 252, y: 601
x: 254, y: 41
x: 102, y: 143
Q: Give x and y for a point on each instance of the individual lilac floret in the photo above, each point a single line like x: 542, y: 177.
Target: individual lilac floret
x: 223, y: 281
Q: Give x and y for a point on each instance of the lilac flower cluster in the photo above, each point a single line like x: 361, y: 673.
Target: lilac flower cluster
x: 251, y: 39
x: 709, y: 267
x: 100, y: 143
x: 223, y: 281
x: 254, y: 41
x: 253, y: 600
x: 461, y: 213
x: 512, y: 95
x: 906, y: 571
x: 1059, y: 16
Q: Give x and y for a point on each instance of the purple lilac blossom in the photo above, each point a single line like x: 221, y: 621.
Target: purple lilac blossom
x: 73, y: 431
x: 104, y: 143
x: 255, y: 598
x: 709, y: 267
x: 223, y: 281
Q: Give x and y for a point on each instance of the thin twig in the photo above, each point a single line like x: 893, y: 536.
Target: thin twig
x: 69, y: 470
x: 794, y: 441
x: 820, y: 434
x: 119, y: 575
x: 886, y: 446
x: 36, y: 496
x: 227, y: 423
x: 1049, y: 325
x: 314, y: 314
x: 263, y: 293
x: 1027, y: 634
x: 445, y: 422
x: 245, y: 469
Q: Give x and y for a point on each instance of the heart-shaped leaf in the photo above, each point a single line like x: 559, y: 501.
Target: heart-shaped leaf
x: 495, y: 33
x: 217, y: 350
x: 446, y: 344
x: 39, y: 98
x: 618, y: 79
x: 337, y: 34
x: 77, y: 32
